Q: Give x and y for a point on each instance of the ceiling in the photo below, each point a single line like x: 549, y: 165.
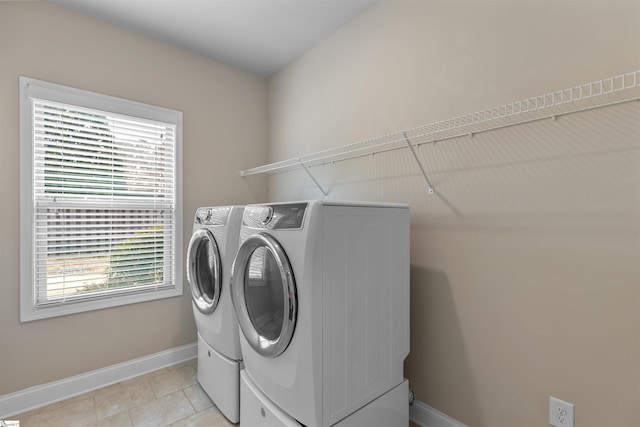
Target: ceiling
x: 259, y: 36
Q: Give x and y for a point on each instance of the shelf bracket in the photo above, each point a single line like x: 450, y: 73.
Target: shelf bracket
x: 306, y: 169
x: 415, y: 156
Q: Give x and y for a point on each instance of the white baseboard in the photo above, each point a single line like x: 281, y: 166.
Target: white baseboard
x: 426, y: 416
x: 45, y: 394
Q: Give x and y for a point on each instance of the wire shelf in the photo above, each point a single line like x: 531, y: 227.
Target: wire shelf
x: 589, y: 96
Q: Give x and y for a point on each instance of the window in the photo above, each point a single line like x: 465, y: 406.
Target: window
x: 101, y: 221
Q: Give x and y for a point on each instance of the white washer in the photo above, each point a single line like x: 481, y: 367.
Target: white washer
x: 321, y: 291
x: 210, y: 254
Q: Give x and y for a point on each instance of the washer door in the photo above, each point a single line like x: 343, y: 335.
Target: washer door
x: 204, y: 273
x: 263, y: 290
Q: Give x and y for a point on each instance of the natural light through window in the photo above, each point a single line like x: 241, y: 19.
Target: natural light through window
x: 101, y: 208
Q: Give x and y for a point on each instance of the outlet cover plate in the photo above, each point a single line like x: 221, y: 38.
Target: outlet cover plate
x: 560, y: 413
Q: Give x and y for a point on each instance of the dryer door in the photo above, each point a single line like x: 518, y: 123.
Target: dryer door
x: 263, y: 290
x: 204, y: 273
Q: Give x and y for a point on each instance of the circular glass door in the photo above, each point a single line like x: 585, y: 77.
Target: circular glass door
x: 264, y: 294
x: 204, y: 274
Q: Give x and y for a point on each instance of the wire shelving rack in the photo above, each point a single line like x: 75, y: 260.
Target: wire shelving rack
x: 598, y: 94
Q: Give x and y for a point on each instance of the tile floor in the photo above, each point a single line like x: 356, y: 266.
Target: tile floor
x: 167, y: 397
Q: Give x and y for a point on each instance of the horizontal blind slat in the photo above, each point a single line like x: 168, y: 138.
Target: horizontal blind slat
x: 88, y: 114
x: 49, y: 157
x: 83, y: 146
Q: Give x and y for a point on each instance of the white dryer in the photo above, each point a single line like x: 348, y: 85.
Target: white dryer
x: 321, y: 291
x: 210, y: 255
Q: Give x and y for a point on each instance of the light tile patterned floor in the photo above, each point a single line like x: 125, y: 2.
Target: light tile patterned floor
x: 168, y: 397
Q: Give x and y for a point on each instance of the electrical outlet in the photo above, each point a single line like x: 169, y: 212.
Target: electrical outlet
x: 560, y: 413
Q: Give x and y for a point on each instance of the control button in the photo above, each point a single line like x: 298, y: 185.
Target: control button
x: 201, y: 215
x: 266, y: 214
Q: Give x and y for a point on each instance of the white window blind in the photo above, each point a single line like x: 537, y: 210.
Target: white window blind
x: 104, y: 205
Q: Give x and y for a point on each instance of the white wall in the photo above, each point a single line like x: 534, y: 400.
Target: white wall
x: 224, y: 131
x: 526, y: 265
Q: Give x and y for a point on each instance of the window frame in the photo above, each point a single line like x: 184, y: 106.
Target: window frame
x: 32, y: 88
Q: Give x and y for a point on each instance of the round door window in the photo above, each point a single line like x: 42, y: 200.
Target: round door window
x: 203, y: 271
x: 264, y: 294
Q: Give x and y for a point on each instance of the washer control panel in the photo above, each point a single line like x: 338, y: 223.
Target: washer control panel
x: 289, y: 216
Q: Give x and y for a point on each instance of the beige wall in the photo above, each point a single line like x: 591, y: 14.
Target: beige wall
x: 526, y: 265
x: 224, y: 131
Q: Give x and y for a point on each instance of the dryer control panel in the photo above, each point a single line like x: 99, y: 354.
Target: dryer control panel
x: 212, y: 216
x: 288, y: 216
